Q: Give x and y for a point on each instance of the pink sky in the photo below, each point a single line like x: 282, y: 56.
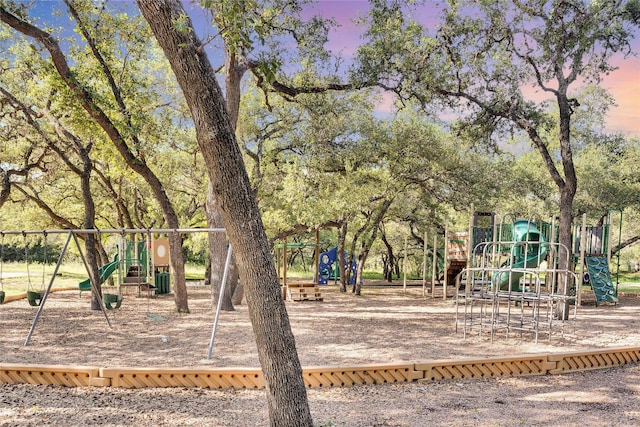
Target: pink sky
x: 623, y: 84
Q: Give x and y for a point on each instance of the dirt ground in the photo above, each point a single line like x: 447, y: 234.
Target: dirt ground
x: 385, y: 325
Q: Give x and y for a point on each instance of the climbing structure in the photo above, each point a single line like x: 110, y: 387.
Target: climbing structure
x: 592, y: 249
x: 517, y: 284
x: 599, y: 277
x: 520, y: 279
x: 328, y: 267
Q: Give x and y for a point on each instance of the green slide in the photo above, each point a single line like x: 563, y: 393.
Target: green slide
x: 522, y: 256
x: 600, y: 279
x: 105, y: 271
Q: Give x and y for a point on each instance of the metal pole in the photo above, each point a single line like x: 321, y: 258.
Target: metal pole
x: 583, y: 245
x: 434, y: 264
x: 424, y: 265
x: 222, y: 286
x: 94, y: 286
x: 471, y: 242
x: 404, y: 267
x: 316, y: 274
x: 46, y: 293
x: 446, y: 260
x: 285, y: 287
x: 617, y: 255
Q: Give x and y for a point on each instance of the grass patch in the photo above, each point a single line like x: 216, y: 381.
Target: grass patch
x: 629, y: 277
x: 367, y: 275
x: 194, y: 272
x: 629, y: 288
x: 16, y: 279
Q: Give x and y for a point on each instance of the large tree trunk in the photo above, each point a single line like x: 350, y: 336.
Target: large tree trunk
x: 373, y: 225
x: 345, y: 273
x: 565, y: 238
x: 568, y: 189
x: 91, y: 244
x: 359, y: 281
x: 218, y: 256
x: 389, y: 261
x: 218, y: 241
x: 286, y: 392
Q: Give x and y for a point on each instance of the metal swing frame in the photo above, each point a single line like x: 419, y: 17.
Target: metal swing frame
x: 72, y: 234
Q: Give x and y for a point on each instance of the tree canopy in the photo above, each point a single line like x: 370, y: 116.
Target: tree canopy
x: 101, y: 127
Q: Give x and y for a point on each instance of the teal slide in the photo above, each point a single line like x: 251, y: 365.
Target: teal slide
x: 528, y: 254
x: 105, y: 271
x: 600, y: 279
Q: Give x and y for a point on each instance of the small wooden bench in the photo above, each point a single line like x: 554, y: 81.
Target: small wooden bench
x: 304, y: 291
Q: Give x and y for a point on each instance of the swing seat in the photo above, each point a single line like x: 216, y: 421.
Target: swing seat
x: 34, y: 298
x: 110, y: 299
x: 2, y: 297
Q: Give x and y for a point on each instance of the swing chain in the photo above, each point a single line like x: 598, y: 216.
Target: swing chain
x: 26, y: 259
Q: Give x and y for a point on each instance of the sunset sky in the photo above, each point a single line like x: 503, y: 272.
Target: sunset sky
x: 623, y: 84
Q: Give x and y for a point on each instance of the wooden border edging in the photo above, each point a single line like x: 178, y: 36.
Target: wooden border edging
x: 595, y: 359
x: 321, y: 377
x: 483, y: 368
x: 236, y: 378
x: 69, y: 376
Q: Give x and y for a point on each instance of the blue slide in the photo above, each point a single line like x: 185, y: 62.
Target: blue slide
x: 527, y: 254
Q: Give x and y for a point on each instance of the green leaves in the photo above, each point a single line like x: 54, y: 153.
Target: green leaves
x: 181, y: 24
x: 268, y: 67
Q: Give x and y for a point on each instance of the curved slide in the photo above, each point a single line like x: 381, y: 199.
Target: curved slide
x: 527, y: 254
x: 105, y: 271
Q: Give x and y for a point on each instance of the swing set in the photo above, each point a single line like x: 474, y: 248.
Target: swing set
x: 38, y: 298
x: 34, y: 297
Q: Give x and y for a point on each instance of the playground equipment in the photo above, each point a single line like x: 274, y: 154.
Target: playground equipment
x: 34, y: 297
x: 299, y: 290
x: 160, y: 262
x: 592, y: 244
x: 135, y: 266
x: 455, y: 256
x: 591, y: 250
x: 507, y: 288
x: 522, y: 279
x: 135, y: 262
x: 328, y: 267
x: 447, y: 262
x: 105, y: 272
x: 521, y: 257
x: 112, y: 301
x: 599, y: 277
x: 109, y: 301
